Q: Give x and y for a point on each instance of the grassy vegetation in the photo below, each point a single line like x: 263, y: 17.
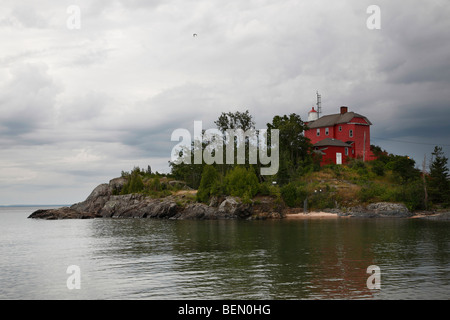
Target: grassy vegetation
x: 390, y: 179
x: 150, y: 184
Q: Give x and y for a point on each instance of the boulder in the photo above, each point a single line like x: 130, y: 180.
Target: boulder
x: 232, y: 208
x: 378, y: 210
x: 116, y: 184
x: 389, y: 209
x: 177, y: 183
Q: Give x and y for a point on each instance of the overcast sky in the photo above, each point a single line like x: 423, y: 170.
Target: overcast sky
x: 78, y: 106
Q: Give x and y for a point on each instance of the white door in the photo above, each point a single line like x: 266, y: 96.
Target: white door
x: 338, y: 158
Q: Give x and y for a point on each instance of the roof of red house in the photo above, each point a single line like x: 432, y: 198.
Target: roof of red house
x: 332, y: 119
x: 331, y: 142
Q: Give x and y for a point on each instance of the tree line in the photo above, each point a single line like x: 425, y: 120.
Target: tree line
x: 419, y: 189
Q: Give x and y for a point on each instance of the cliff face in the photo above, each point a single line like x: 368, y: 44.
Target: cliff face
x: 103, y: 203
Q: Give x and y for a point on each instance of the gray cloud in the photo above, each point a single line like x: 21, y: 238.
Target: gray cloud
x: 79, y: 106
x: 27, y: 99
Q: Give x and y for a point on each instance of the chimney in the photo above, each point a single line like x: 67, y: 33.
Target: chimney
x: 344, y: 109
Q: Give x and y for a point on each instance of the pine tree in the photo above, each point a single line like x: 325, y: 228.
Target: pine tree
x: 439, y: 184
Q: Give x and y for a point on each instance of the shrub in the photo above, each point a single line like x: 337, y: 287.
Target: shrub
x: 293, y: 195
x: 378, y: 168
x: 134, y: 183
x: 208, y: 183
x: 264, y: 189
x: 289, y: 194
x: 322, y: 200
x: 413, y: 195
x: 370, y: 192
x: 240, y: 180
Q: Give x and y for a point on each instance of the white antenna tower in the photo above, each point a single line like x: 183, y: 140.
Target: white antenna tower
x: 319, y: 103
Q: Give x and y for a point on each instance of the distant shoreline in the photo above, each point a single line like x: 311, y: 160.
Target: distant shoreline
x: 32, y: 205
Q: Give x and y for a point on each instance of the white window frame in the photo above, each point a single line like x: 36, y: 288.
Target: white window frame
x: 327, y: 131
x: 350, y: 133
x: 318, y: 132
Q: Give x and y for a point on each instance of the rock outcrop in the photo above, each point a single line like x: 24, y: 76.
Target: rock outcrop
x: 62, y: 213
x: 95, y: 201
x: 104, y: 202
x: 378, y: 210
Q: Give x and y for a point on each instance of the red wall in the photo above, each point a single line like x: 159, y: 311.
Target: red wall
x: 359, y: 142
x: 330, y: 154
x: 358, y: 136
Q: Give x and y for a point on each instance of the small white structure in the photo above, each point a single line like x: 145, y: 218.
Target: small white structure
x: 313, y: 115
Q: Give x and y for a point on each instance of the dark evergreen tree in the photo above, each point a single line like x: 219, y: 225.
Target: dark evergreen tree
x: 208, y: 183
x: 439, y: 185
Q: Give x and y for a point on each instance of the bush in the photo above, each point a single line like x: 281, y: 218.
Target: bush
x: 371, y: 192
x: 240, y: 180
x: 155, y: 185
x: 414, y: 195
x: 289, y: 195
x: 208, y: 183
x: 378, y: 168
x: 264, y: 189
x: 322, y: 200
x: 292, y: 195
x: 134, y: 183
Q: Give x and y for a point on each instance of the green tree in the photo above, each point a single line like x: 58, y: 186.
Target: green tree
x: 134, y: 183
x: 240, y: 181
x: 404, y: 168
x: 189, y: 172
x: 236, y: 120
x: 439, y: 186
x: 294, y: 147
x: 208, y: 184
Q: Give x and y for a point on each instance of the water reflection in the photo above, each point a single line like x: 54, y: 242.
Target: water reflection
x: 310, y: 259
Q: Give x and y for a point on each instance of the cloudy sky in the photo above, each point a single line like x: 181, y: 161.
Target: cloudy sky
x: 79, y: 105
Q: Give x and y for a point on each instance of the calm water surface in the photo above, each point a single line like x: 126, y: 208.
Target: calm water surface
x: 161, y: 259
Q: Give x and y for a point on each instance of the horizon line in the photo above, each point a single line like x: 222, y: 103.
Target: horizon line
x: 35, y: 205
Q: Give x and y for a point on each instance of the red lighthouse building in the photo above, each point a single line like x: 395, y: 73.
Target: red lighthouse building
x: 340, y: 137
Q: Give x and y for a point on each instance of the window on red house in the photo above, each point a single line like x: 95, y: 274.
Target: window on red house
x: 350, y: 133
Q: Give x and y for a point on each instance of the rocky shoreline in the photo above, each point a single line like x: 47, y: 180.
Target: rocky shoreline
x: 103, y: 202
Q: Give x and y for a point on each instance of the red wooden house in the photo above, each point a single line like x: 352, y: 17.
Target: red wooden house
x: 340, y: 137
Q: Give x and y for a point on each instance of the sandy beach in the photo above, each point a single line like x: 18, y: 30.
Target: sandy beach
x: 312, y: 215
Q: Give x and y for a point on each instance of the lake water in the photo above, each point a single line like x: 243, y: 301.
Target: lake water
x: 279, y: 259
